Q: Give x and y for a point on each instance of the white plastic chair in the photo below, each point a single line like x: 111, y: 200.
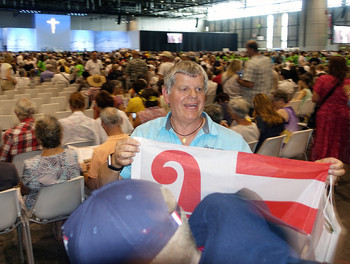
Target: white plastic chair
x: 80, y: 144
x: 272, y: 146
x: 297, y: 144
x: 55, y: 203
x: 7, y: 121
x: 33, y: 92
x: 50, y: 109
x: 53, y: 91
x: 19, y: 159
x: 11, y: 218
x: 295, y: 105
x: 46, y: 97
x: 7, y: 107
x: 307, y: 108
x: 252, y: 145
x: 10, y: 93
x: 89, y: 113
x: 20, y: 96
x: 38, y: 102
x: 62, y: 100
x: 65, y: 93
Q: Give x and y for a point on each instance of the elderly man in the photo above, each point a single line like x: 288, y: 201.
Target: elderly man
x: 258, y: 75
x: 186, y: 124
x: 94, y: 65
x: 20, y: 138
x: 111, y: 122
x: 136, y: 68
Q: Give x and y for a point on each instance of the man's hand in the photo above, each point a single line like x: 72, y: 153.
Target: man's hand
x: 125, y: 150
x: 335, y: 169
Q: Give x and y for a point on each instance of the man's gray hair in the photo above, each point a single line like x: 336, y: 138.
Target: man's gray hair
x: 215, y: 112
x: 110, y: 116
x: 25, y: 108
x: 239, y: 106
x: 189, y: 68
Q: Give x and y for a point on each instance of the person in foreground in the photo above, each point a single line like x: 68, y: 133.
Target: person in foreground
x: 138, y: 221
x: 186, y: 124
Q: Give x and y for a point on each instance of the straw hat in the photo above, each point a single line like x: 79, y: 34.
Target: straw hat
x: 96, y: 80
x: 166, y: 54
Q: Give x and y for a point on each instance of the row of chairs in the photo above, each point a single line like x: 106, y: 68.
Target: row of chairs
x: 306, y: 109
x: 53, y: 203
x: 295, y: 147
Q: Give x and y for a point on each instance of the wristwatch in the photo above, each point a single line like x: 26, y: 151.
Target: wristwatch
x: 110, y: 166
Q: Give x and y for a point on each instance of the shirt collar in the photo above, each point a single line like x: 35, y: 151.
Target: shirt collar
x: 205, y: 127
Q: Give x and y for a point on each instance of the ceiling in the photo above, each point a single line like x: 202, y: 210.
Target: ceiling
x: 154, y: 8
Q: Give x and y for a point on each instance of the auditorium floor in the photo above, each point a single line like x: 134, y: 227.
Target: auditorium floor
x: 48, y: 250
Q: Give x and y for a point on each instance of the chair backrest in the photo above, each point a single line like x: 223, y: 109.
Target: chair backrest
x: 10, y: 94
x: 65, y: 93
x: 46, y: 97
x: 252, y: 145
x: 50, y: 109
x: 295, y: 105
x: 9, y: 208
x: 62, y: 100
x: 7, y: 107
x: 272, y: 146
x: 33, y: 92
x: 80, y: 144
x: 53, y: 91
x: 307, y: 108
x: 297, y: 144
x: 59, y: 200
x: 89, y: 113
x: 7, y: 121
x: 20, y: 96
x: 19, y: 159
x: 38, y: 102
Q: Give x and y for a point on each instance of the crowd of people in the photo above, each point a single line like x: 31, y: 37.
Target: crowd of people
x: 164, y: 97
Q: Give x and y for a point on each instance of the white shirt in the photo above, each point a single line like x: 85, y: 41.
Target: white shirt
x: 79, y: 127
x: 249, y: 133
x: 211, y: 92
x: 94, y: 67
x: 126, y: 126
x: 61, y: 78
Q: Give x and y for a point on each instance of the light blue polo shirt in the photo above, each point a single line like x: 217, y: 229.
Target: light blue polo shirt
x: 212, y: 135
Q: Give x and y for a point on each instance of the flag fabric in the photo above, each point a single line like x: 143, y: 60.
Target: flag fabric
x: 292, y: 189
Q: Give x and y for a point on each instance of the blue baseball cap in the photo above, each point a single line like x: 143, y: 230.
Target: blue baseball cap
x: 126, y: 221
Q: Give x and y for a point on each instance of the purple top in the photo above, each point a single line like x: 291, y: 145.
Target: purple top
x: 292, y: 124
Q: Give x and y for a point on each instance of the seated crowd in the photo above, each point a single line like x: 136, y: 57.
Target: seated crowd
x: 163, y: 97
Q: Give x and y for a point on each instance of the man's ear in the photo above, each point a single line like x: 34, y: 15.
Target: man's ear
x: 165, y: 94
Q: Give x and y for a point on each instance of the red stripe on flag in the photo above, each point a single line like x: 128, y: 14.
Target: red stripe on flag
x: 295, y: 214
x: 259, y: 165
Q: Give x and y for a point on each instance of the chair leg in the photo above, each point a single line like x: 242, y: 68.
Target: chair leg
x: 28, y: 241
x: 20, y: 242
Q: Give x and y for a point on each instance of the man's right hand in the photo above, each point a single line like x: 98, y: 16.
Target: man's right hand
x: 125, y: 150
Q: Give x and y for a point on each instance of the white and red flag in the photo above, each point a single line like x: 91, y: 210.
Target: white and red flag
x: 292, y: 189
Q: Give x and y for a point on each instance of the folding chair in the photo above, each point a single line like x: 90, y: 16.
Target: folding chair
x: 65, y: 93
x: 53, y: 91
x: 272, y: 146
x: 7, y: 107
x: 295, y: 105
x: 7, y: 121
x: 46, y: 97
x: 80, y: 144
x: 11, y: 218
x: 89, y: 113
x: 33, y: 92
x: 252, y: 145
x: 19, y: 159
x: 10, y: 94
x: 55, y: 203
x: 297, y: 144
x: 38, y: 102
x: 20, y: 96
x: 307, y: 108
x: 50, y: 109
x: 62, y: 100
